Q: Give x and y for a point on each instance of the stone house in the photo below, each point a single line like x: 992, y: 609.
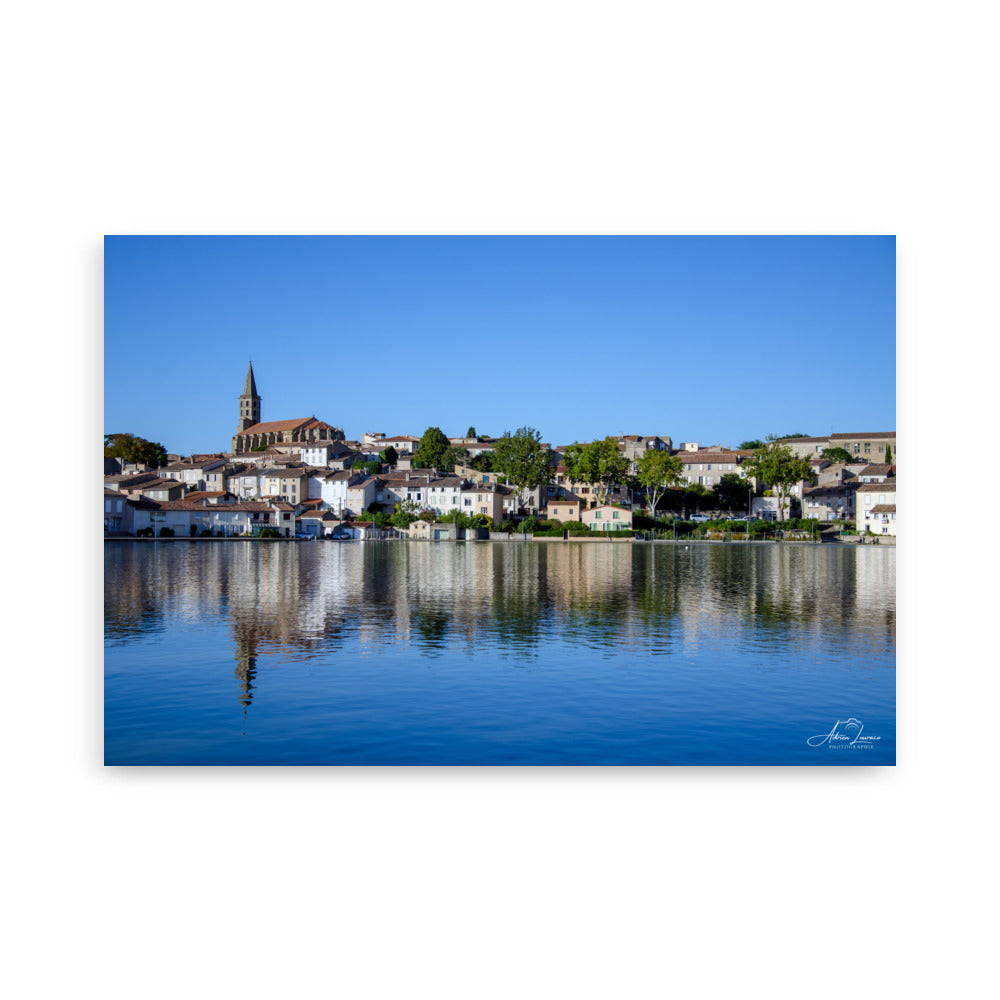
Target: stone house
x: 876, y: 507
x: 877, y: 473
x: 290, y: 485
x: 706, y: 468
x: 564, y: 508
x: 831, y: 502
x: 482, y: 499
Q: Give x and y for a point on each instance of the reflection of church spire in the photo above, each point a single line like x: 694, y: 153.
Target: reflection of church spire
x: 246, y: 671
x: 246, y: 666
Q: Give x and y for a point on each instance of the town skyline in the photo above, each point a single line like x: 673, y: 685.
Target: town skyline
x: 708, y: 339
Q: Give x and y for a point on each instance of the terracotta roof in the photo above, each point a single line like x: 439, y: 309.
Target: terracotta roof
x: 284, y: 425
x: 877, y: 470
x: 884, y: 508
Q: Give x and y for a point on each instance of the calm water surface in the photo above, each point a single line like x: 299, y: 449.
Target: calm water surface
x: 498, y: 653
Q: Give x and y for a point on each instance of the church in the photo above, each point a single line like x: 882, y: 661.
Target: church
x: 252, y: 435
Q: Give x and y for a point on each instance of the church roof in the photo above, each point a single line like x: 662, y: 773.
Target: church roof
x: 271, y: 426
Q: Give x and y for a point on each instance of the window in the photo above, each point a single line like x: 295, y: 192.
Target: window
x: 597, y: 514
x: 708, y: 468
x: 868, y: 499
x: 614, y: 515
x: 468, y: 502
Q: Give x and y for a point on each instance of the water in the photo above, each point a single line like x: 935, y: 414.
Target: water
x: 498, y: 653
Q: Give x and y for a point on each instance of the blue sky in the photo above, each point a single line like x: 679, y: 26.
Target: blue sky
x: 712, y: 339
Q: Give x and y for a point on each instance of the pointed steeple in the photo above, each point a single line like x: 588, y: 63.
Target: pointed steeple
x: 250, y: 389
x: 249, y: 403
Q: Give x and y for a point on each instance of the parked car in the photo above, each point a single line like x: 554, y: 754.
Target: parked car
x: 699, y: 517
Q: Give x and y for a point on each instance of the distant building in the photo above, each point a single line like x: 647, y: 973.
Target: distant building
x: 252, y: 435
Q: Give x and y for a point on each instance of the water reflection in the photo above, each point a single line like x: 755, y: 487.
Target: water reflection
x: 516, y: 602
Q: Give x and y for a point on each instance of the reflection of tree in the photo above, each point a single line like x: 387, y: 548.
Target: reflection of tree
x: 432, y: 625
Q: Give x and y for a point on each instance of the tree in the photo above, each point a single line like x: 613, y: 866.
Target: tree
x: 732, y: 492
x: 695, y: 493
x: 658, y: 471
x: 433, y: 450
x: 888, y: 455
x: 135, y: 450
x: 749, y: 445
x: 483, y: 462
x: 600, y: 463
x: 390, y: 456
x: 522, y: 461
x: 777, y: 467
x: 406, y: 512
x: 471, y: 432
x: 836, y: 455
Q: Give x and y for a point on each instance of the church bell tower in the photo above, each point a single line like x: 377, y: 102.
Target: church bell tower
x: 249, y: 403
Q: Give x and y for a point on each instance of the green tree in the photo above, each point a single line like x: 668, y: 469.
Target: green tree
x: 471, y: 432
x: 749, y: 445
x: 522, y: 461
x: 433, y: 451
x: 599, y: 463
x: 406, y: 512
x: 836, y: 455
x: 657, y: 471
x: 390, y: 456
x: 135, y: 450
x: 732, y: 492
x: 695, y: 493
x: 888, y: 455
x: 777, y: 467
x: 483, y: 462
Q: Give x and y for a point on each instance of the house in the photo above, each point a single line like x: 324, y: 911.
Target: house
x: 290, y: 484
x: 402, y: 443
x: 322, y: 453
x: 332, y: 489
x: 161, y: 489
x: 869, y: 445
x: 607, y: 517
x: 877, y: 473
x: 830, y: 502
x: 634, y: 446
x: 565, y: 508
x: 316, y: 524
x: 588, y: 493
x: 431, y: 531
x: 246, y: 483
x: 119, y: 513
x: 192, y: 474
x: 706, y: 468
x: 876, y: 507
x: 444, y: 494
x: 361, y: 494
x: 482, y: 499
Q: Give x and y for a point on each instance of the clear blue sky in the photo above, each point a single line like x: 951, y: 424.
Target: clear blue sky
x: 712, y: 339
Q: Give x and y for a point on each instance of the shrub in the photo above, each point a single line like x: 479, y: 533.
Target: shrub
x: 507, y: 526
x: 553, y: 524
x: 166, y: 532
x: 576, y: 528
x: 268, y: 533
x: 205, y: 533
x: 529, y: 524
